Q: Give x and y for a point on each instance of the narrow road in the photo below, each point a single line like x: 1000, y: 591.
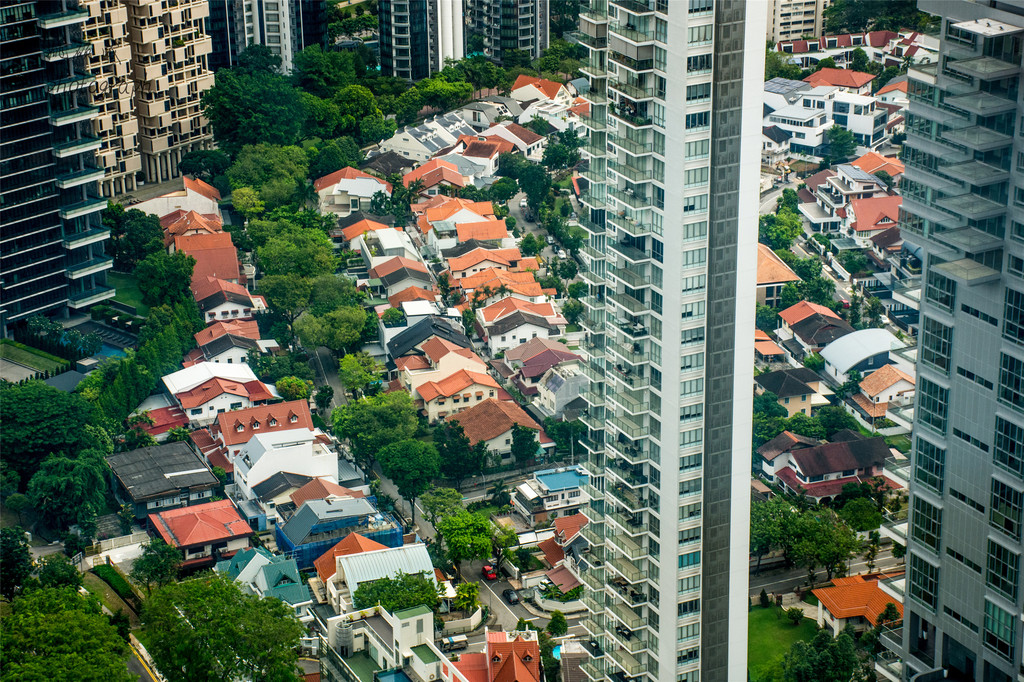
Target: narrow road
x: 138, y: 667
x: 325, y: 371
x: 786, y: 580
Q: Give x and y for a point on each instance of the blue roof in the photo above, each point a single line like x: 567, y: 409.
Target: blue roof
x: 561, y: 479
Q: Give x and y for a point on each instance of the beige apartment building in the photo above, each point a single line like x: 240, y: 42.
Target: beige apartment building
x: 150, y: 61
x: 793, y: 19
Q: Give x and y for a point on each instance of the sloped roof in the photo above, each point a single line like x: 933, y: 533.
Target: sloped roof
x: 384, y: 563
x: 244, y: 328
x: 197, y: 185
x: 480, y: 149
x: 549, y: 88
x: 179, y: 222
x: 491, y: 418
x: 802, y: 310
x: 458, y: 381
x: 855, y: 347
x: 512, y: 659
x: 510, y: 304
x: 819, y: 330
x: 843, y: 78
x: 210, y: 389
x: 812, y: 181
x: 875, y: 213
x: 394, y: 264
x: 389, y: 162
x: 279, y: 483
x: 433, y: 173
x: 566, y: 527
x: 771, y: 269
x: 882, y: 378
x: 545, y: 360
x: 484, y: 230
x: 347, y: 173
x: 776, y: 134
x: 214, y: 252
x: 200, y: 524
x: 298, y: 528
x: 415, y: 335
x: 523, y: 283
x: 887, y: 238
x: 831, y: 458
x: 480, y: 255
x: 362, y: 227
x: 353, y: 543
x: 160, y: 469
x: 210, y: 291
x: 236, y: 427
x: 856, y: 596
x: 321, y: 488
x: 519, y: 318
x: 784, y: 442
x: 437, y: 347
x: 786, y: 383
x: 525, y: 351
x: 873, y: 162
x: 891, y: 86
x: 413, y: 293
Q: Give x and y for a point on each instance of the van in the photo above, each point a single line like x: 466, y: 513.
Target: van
x: 454, y: 643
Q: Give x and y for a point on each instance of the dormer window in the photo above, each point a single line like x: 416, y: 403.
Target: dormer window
x: 496, y: 659
x: 240, y: 428
x: 272, y: 422
x: 527, y: 658
x: 293, y: 419
x: 255, y: 425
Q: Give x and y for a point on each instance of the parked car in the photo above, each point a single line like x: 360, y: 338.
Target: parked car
x: 489, y: 572
x: 561, y: 253
x: 511, y: 596
x: 523, y: 203
x: 550, y: 240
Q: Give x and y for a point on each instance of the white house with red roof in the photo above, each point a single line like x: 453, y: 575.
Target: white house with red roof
x: 435, y: 175
x: 456, y: 392
x: 438, y: 218
x: 529, y: 143
x: 297, y: 451
x: 807, y: 52
x: 440, y: 359
x: 421, y: 142
x: 530, y: 88
x: 204, y: 533
x: 207, y: 389
x: 180, y: 223
x: 799, y: 312
x: 220, y: 300
x: 348, y: 190
x: 511, y: 321
x: 215, y: 254
x: 894, y: 92
x: 230, y: 431
x: 491, y: 421
x: 847, y: 80
x: 399, y: 273
x: 480, y: 259
x: 195, y: 195
x: 868, y: 217
x: 509, y: 657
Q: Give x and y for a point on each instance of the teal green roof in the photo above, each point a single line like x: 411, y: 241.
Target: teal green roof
x: 424, y: 653
x: 291, y: 594
x: 420, y: 610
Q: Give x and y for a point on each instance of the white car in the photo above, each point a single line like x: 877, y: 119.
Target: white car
x: 561, y: 253
x: 523, y: 203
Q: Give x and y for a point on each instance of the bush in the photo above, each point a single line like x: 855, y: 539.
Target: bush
x: 763, y: 597
x: 117, y: 582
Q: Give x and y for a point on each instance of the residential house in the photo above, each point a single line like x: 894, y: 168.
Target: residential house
x: 435, y: 176
x: 380, y: 246
x: 869, y: 217
x: 550, y: 493
x: 772, y: 275
x: 567, y: 540
x: 387, y: 164
x: 357, y: 559
x: 229, y: 342
x: 486, y: 112
x: 822, y: 470
x: 885, y: 245
x: 847, y: 80
x: 399, y: 273
x: 782, y: 444
x: 479, y: 259
x: 894, y: 92
x: 411, y: 294
x: 181, y: 223
x: 807, y: 52
x: 455, y: 393
x: 558, y: 387
x: 799, y: 390
x: 529, y: 88
x: 318, y: 524
x: 511, y: 321
x: 270, y: 575
x: 484, y: 231
x: 813, y: 333
x: 348, y: 190
x: 215, y: 254
x: 799, y: 312
x: 509, y: 657
x: 322, y: 488
x: 195, y: 195
x: 861, y: 351
x: 911, y: 47
x: 420, y: 306
x: 873, y: 162
x: 558, y: 117
x: 887, y: 385
x: 530, y: 373
x: 484, y: 153
x: 833, y: 197
x: 438, y: 218
x: 160, y: 477
x: 516, y: 357
x: 232, y: 430
x: 219, y: 299
x: 204, y: 533
x: 421, y: 142
x: 410, y: 341
x: 774, y: 145
x: 492, y: 285
x: 206, y: 389
x: 855, y: 601
x: 529, y: 143
x: 440, y: 359
x: 491, y: 421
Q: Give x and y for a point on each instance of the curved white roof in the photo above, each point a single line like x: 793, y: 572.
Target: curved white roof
x: 847, y: 351
x: 384, y: 563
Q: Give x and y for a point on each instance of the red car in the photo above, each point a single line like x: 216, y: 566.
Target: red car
x: 488, y: 572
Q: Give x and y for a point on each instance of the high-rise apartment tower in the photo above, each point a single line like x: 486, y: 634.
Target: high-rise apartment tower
x: 793, y: 19
x: 963, y: 204
x: 285, y: 27
x: 52, y: 241
x: 417, y: 36
x: 671, y: 217
x: 504, y: 30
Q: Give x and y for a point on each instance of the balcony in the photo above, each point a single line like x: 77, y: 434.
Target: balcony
x: 982, y: 103
x: 594, y: 150
x: 631, y: 379
x: 634, y: 65
x: 985, y: 68
x: 73, y: 83
x: 631, y: 500
x: 634, y: 7
x: 632, y: 33
x: 594, y: 124
x: 894, y: 527
x: 77, y: 240
x: 626, y: 545
x: 81, y: 177
x: 595, y: 42
x: 635, y: 403
x: 592, y: 201
x: 633, y: 147
x: 634, y: 329
x: 629, y: 303
x: 594, y: 670
x: 594, y: 579
x: 630, y: 172
x: 594, y: 16
x: 59, y: 19
x: 631, y: 198
x: 91, y: 205
x: 86, y: 143
x: 593, y: 533
x: 628, y: 569
x: 978, y: 138
x: 593, y: 602
x: 628, y: 524
x: 91, y: 266
x: 628, y: 616
x: 633, y: 118
x: 626, y: 661
x: 632, y: 642
x: 632, y: 452
x: 90, y: 297
x: 66, y: 51
x: 592, y: 626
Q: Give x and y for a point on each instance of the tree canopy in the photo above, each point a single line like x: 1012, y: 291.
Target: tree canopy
x: 467, y: 536
x: 404, y: 591
x: 373, y: 422
x: 15, y: 560
x: 164, y: 278
x: 412, y: 465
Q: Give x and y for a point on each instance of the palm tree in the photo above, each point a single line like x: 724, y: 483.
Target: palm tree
x: 306, y: 195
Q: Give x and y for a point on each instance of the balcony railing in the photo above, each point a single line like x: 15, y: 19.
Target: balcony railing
x: 631, y: 199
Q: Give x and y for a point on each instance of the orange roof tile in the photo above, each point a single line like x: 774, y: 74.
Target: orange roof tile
x: 549, y: 88
x: 347, y: 173
x: 294, y: 414
x: 210, y: 389
x: 526, y: 135
x: 875, y: 213
x: 320, y: 489
x: 890, y: 87
x: 771, y: 269
x: 396, y: 263
x: 512, y: 660
x: 186, y: 222
x: 802, y: 310
x: 472, y: 666
x: 434, y: 172
x: 882, y: 378
x: 362, y: 227
x: 436, y: 348
x: 768, y: 348
x: 353, y: 543
x: 566, y: 527
x: 459, y: 381
x: 412, y: 293
x: 491, y: 418
x: 215, y: 254
x: 197, y: 185
x: 856, y: 596
x: 843, y: 78
x: 872, y: 409
x: 248, y: 329
x: 412, y: 362
x: 200, y: 524
x: 477, y: 256
x: 528, y: 264
x: 522, y: 283
x: 510, y: 304
x: 873, y: 162
x: 484, y: 231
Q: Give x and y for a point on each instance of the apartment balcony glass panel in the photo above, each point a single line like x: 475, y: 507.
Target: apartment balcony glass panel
x: 632, y: 501
x: 90, y: 296
x: 634, y: 91
x: 630, y: 63
x: 632, y: 118
x: 80, y: 239
x: 634, y: 147
x: 86, y: 143
x: 984, y: 68
x: 90, y: 266
x: 632, y: 33
x: 72, y: 83
x: 79, y: 177
x: 68, y: 18
x: 627, y: 546
x: 628, y: 569
x: 92, y: 205
x: 630, y: 618
x: 66, y: 51
x: 982, y: 103
x: 978, y: 138
x: 630, y: 172
x: 634, y: 7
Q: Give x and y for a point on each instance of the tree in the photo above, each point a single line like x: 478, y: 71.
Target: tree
x: 333, y: 155
x: 777, y: 65
x: 767, y: 318
x: 874, y: 311
x: 404, y: 591
x: 324, y: 397
x: 133, y: 235
x: 834, y: 418
x: 15, y: 560
x: 17, y: 503
x: 524, y: 444
x: 338, y: 330
x: 459, y: 460
x: 824, y: 541
x: 298, y: 253
x: 357, y: 371
x: 158, y: 565
x: 287, y: 294
x: 294, y: 388
x: 247, y: 201
x: 861, y: 515
x: 795, y: 614
x: 536, y: 182
x: 503, y: 539
x: 56, y: 570
x: 205, y: 164
x: 467, y: 536
x: 164, y: 278
x: 371, y: 423
x: 56, y: 634
x: 503, y: 189
x: 768, y: 405
x: 823, y: 659
x: 250, y: 108
x: 802, y: 425
x: 780, y: 230
x: 467, y: 596
x: 530, y: 245
x: 898, y: 550
x: 69, y: 490
x: 440, y: 502
x: 207, y: 629
x: 841, y: 143
x: 889, y: 615
x: 412, y: 465
x: 768, y: 521
x: 558, y: 625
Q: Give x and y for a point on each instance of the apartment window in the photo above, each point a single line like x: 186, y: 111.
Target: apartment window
x: 689, y: 285
x: 936, y: 343
x: 689, y: 631
x: 689, y: 511
x: 687, y: 656
x: 688, y: 462
x: 940, y: 290
x: 701, y: 35
x: 690, y: 362
x: 926, y: 523
x: 1013, y: 317
x: 1011, y: 381
x: 688, y: 608
x: 696, y: 177
x: 1003, y: 570
x: 924, y: 581
x: 697, y: 204
x: 1014, y: 266
x: 929, y: 465
x: 689, y: 560
x: 701, y: 6
x: 692, y: 437
x: 1000, y: 630
x: 974, y: 312
x: 1009, y: 446
x: 692, y: 310
x: 691, y: 487
x: 696, y: 257
x: 701, y: 119
x: 700, y: 63
x: 700, y: 92
x: 691, y: 584
x: 689, y: 535
x: 932, y: 405
x: 1005, y: 509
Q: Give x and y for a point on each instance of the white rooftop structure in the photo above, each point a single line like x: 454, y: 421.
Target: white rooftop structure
x: 847, y: 351
x: 383, y: 563
x: 190, y: 377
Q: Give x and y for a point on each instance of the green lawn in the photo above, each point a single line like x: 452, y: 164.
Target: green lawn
x: 900, y: 442
x: 768, y: 637
x: 128, y: 292
x: 30, y: 357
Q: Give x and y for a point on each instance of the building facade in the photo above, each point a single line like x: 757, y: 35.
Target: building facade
x: 792, y: 19
x: 417, y: 36
x: 674, y: 142
x: 499, y: 28
x: 285, y: 27
x: 52, y: 248
x: 963, y: 207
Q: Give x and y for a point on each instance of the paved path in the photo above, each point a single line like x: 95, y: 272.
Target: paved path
x: 325, y: 371
x: 784, y: 580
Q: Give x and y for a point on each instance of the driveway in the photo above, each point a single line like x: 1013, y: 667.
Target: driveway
x: 325, y: 371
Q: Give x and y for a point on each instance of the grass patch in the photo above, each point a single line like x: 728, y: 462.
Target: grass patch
x: 30, y: 357
x: 901, y: 442
x: 128, y: 292
x: 809, y: 598
x: 768, y: 637
x: 120, y: 586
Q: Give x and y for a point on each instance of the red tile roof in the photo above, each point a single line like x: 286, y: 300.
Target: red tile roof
x: 549, y: 88
x: 208, y: 286
x: 553, y: 553
x: 771, y: 269
x: 875, y: 213
x: 515, y: 660
x: 353, y: 543
x: 226, y: 428
x: 197, y: 185
x: 483, y: 231
x: 412, y: 293
x: 767, y: 348
x: 900, y: 86
x: 510, y: 304
x: 179, y: 222
x: 362, y: 227
x: 491, y: 418
x: 215, y: 254
x: 479, y: 255
x: 436, y: 348
x: 844, y: 78
x: 165, y: 419
x: 883, y: 378
x: 321, y: 489
x: 857, y: 595
x: 802, y: 310
x: 411, y: 362
x: 255, y: 391
x: 522, y: 283
x: 872, y: 162
x: 433, y: 173
x: 566, y: 527
x: 200, y: 524
x: 526, y: 135
x: 245, y: 328
x: 459, y: 381
x: 395, y: 264
x: 334, y: 178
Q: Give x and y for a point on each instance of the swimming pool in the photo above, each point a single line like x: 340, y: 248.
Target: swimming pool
x: 111, y: 351
x: 557, y: 652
